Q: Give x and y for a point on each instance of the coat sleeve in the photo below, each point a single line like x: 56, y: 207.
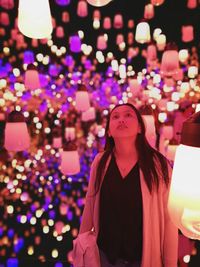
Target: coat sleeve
x: 87, y: 216
x: 170, y: 232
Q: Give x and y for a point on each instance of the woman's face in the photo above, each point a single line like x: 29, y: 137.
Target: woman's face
x: 123, y: 122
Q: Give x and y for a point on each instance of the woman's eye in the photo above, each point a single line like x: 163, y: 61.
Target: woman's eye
x: 115, y: 117
x: 128, y: 114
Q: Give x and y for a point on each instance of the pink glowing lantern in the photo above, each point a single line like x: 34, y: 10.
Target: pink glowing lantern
x: 89, y: 114
x: 59, y: 227
x: 187, y: 33
x: 7, y: 4
x: 130, y: 38
x: 107, y: 23
x: 82, y: 9
x: 70, y: 164
x: 169, y: 63
x: 157, y: 2
x: 98, y: 3
x: 65, y: 17
x: 192, y: 4
x: 131, y: 24
x: 63, y: 208
x: 34, y: 18
x: 118, y: 21
x: 151, y: 54
x: 57, y: 142
x: 184, y: 195
x: 16, y: 133
x: 70, y: 133
x: 101, y: 42
x: 4, y: 18
x: 60, y: 32
x: 148, y: 11
x: 82, y: 98
x: 31, y: 79
x: 75, y: 43
x: 142, y: 33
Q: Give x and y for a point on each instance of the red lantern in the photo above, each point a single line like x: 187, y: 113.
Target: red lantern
x: 82, y: 98
x: 31, y: 80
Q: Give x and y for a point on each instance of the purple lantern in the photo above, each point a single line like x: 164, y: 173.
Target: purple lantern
x: 75, y: 43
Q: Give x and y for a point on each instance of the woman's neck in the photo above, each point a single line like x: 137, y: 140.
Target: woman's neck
x: 125, y: 148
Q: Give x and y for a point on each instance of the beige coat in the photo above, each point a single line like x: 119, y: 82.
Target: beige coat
x: 160, y: 236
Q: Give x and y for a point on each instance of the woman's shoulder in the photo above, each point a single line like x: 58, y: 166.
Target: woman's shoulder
x: 98, y: 157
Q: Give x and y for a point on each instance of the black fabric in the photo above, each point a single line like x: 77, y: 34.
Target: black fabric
x: 120, y: 232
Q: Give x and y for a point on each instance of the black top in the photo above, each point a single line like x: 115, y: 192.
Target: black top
x: 120, y: 224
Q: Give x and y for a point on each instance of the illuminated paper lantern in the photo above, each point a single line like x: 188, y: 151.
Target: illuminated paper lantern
x: 157, y: 2
x: 107, y: 23
x: 192, y: 72
x: 88, y: 115
x: 4, y: 19
x: 70, y: 133
x: 161, y: 42
x: 184, y: 195
x: 70, y: 164
x: 75, y: 43
x: 98, y: 3
x: 148, y: 11
x: 192, y: 4
x: 57, y: 142
x: 183, y: 55
x: 151, y: 54
x: 34, y: 18
x: 65, y: 16
x: 187, y: 33
x: 118, y: 21
x: 31, y: 79
x: 169, y: 63
x: 142, y: 34
x: 7, y: 4
x: 101, y: 42
x: 82, y: 99
x: 82, y: 9
x: 60, y: 32
x: 16, y: 133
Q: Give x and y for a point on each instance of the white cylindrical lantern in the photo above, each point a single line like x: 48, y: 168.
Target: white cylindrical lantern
x: 184, y: 195
x: 98, y: 3
x: 142, y: 34
x: 70, y: 164
x: 34, y: 18
x: 148, y: 11
x: 16, y: 133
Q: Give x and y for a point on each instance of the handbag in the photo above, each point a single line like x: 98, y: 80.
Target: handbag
x: 85, y: 251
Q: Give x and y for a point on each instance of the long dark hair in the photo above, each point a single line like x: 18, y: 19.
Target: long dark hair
x: 152, y: 163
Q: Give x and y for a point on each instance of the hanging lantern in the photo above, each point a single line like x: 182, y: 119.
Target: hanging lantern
x: 34, y: 18
x: 98, y: 3
x: 101, y: 42
x: 31, y: 79
x: 118, y: 21
x: 70, y: 133
x: 82, y: 98
x: 4, y: 18
x: 70, y: 164
x: 107, y: 23
x: 161, y: 42
x: 131, y: 23
x: 187, y: 33
x: 75, y: 43
x: 151, y: 54
x: 192, y: 72
x: 192, y: 4
x: 88, y: 115
x: 183, y: 55
x: 60, y: 32
x: 157, y: 2
x: 142, y: 34
x: 184, y: 195
x: 7, y: 4
x: 65, y: 17
x: 16, y: 133
x: 82, y: 9
x: 148, y: 11
x: 169, y: 63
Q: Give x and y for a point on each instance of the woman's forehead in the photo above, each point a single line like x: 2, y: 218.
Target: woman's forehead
x: 122, y: 108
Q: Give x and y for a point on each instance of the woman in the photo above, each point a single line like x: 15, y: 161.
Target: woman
x: 126, y: 202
